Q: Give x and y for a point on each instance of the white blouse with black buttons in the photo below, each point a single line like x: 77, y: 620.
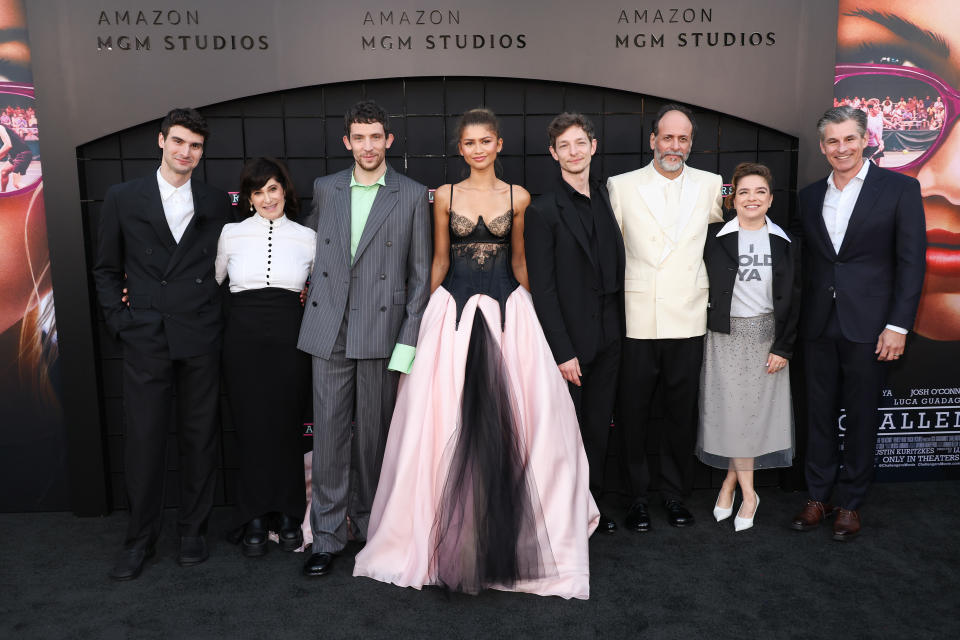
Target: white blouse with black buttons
x: 259, y: 253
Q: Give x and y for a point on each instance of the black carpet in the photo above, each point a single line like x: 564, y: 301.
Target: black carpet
x: 897, y: 580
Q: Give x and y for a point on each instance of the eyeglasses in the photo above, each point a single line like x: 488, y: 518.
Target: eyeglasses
x: 903, y: 148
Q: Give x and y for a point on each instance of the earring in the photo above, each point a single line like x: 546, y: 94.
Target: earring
x: 252, y: 209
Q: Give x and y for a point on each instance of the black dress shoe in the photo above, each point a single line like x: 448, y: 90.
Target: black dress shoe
x: 193, y: 550
x: 254, y: 541
x: 677, y: 514
x: 130, y: 563
x: 606, y: 525
x: 637, y: 518
x: 318, y: 564
x: 291, y: 536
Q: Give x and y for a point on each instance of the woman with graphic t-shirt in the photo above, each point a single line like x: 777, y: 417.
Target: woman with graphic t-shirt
x: 746, y: 420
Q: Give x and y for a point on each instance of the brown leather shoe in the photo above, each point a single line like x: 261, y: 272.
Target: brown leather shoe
x: 813, y: 513
x: 847, y: 525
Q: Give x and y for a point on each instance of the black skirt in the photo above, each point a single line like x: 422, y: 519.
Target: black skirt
x: 268, y: 386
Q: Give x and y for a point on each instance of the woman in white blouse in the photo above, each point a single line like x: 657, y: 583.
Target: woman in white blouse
x: 267, y: 258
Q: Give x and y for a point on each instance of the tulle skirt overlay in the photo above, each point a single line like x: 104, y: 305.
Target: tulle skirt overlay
x: 484, y: 481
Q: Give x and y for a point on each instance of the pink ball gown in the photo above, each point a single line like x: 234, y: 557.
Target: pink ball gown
x: 484, y: 481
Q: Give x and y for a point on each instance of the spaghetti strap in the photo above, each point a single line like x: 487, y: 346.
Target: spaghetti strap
x: 450, y: 205
x: 511, y: 198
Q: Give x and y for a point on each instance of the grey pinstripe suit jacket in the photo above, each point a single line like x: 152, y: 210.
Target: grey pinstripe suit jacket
x: 387, y: 286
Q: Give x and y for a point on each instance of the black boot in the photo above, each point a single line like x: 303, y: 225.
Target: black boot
x: 254, y: 541
x: 291, y: 536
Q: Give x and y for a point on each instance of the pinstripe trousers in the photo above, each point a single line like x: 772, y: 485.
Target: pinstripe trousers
x: 346, y: 461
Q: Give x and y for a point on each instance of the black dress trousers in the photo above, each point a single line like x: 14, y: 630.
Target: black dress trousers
x: 674, y: 364
x: 841, y: 374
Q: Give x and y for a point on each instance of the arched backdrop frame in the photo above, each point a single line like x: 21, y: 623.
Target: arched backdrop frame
x: 87, y: 89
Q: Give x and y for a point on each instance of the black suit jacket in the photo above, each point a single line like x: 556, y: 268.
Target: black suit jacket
x: 174, y: 298
x: 877, y: 275
x: 721, y: 255
x: 564, y: 280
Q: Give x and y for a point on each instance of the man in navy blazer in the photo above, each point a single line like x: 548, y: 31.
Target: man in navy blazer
x: 157, y: 238
x: 863, y: 245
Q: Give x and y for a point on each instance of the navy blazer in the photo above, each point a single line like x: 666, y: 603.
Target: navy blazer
x: 174, y: 297
x: 877, y: 275
x: 721, y: 256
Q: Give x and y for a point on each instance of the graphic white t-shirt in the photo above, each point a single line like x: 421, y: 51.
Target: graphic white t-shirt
x: 753, y: 288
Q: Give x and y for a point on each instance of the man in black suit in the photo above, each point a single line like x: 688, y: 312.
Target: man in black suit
x: 863, y: 245
x: 575, y: 261
x: 158, y: 239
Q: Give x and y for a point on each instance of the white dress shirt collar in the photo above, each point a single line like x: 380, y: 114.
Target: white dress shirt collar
x: 266, y: 223
x: 663, y: 180
x: 861, y: 175
x: 733, y: 225
x: 167, y: 189
x: 177, y: 205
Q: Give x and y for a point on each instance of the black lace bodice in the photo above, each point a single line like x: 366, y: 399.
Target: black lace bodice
x: 480, y: 258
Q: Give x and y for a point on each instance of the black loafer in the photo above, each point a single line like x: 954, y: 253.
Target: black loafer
x: 637, y: 518
x: 254, y: 541
x: 318, y: 564
x: 606, y: 525
x: 130, y: 563
x: 193, y: 550
x: 677, y: 514
x: 291, y: 536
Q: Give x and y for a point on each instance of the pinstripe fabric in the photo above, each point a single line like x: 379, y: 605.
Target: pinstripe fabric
x: 346, y: 465
x: 353, y: 317
x: 387, y: 286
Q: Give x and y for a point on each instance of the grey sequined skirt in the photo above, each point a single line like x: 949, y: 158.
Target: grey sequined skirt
x: 746, y: 419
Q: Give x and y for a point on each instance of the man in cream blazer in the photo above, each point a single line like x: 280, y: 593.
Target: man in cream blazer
x: 663, y: 210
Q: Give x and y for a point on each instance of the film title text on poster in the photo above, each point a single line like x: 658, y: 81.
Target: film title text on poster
x: 443, y: 28
x: 683, y: 16
x: 144, y: 30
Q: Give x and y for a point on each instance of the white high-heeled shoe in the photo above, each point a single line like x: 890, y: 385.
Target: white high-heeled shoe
x: 741, y: 524
x: 722, y: 513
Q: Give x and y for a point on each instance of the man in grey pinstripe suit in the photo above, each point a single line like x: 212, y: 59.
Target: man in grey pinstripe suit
x: 368, y: 290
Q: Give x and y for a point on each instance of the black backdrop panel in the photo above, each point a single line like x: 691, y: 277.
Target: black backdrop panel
x: 304, y: 127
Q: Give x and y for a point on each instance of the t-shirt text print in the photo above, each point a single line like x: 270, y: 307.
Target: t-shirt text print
x: 753, y: 288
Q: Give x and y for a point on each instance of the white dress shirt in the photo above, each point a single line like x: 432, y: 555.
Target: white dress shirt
x: 672, y: 190
x: 259, y: 253
x: 838, y: 207
x: 177, y: 205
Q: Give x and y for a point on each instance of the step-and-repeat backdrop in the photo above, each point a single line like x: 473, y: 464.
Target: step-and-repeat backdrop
x: 102, y: 68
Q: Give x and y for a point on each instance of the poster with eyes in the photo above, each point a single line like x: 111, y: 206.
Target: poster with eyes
x: 32, y: 439
x: 899, y: 61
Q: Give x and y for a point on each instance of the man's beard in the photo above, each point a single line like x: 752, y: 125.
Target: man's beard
x: 669, y: 166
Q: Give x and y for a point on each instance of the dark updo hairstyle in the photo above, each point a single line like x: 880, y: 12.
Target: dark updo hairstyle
x: 256, y: 173
x: 743, y: 170
x: 481, y: 116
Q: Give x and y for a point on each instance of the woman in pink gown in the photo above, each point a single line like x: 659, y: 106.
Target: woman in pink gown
x: 484, y: 481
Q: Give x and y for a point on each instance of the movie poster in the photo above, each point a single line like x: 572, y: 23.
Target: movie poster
x: 32, y: 439
x: 899, y: 61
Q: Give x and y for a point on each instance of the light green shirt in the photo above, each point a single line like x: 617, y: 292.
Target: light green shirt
x: 361, y: 201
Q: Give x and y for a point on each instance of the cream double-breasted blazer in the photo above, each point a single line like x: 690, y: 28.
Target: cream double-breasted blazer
x: 666, y: 282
